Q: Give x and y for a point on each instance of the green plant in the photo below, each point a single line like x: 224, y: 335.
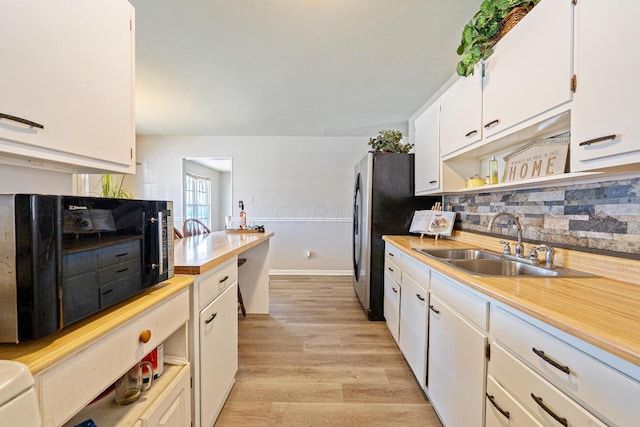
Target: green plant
x: 477, y: 35
x: 389, y: 140
x: 112, y: 186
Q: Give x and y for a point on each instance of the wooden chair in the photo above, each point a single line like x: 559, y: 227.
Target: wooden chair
x: 177, y: 234
x: 241, y: 261
x: 192, y: 226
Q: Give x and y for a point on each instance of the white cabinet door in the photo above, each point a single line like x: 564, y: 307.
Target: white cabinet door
x: 461, y: 114
x: 456, y: 377
x: 391, y: 306
x: 503, y: 410
x: 414, y: 302
x: 605, y: 130
x: 427, y: 150
x: 174, y: 409
x: 72, y: 71
x: 218, y: 353
x: 530, y: 70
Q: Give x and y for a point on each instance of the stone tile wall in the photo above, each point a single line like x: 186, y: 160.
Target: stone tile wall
x: 597, y: 217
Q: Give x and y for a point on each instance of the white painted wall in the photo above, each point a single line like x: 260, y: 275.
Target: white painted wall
x: 15, y: 179
x: 299, y: 187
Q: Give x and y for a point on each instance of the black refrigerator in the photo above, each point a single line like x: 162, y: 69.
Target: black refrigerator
x: 383, y: 203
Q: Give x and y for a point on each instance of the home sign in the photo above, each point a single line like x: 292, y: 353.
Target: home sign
x: 539, y: 159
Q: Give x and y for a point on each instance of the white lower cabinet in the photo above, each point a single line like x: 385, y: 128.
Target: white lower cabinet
x: 174, y: 408
x: 414, y: 302
x: 503, y: 410
x: 391, y: 308
x: 456, y: 385
x: 218, y: 353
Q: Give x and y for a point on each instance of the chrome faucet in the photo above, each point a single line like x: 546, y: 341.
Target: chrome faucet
x: 516, y: 221
x: 550, y: 252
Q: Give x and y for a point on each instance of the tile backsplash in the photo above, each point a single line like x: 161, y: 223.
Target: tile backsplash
x: 600, y: 217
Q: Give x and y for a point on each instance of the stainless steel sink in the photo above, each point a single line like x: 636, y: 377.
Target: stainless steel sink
x: 461, y: 254
x: 507, y: 267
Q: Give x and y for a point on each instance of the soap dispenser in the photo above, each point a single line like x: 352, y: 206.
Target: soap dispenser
x: 243, y: 216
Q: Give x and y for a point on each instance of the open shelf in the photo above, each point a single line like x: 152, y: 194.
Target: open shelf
x: 548, y: 180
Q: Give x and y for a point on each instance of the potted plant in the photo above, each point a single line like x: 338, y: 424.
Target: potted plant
x: 112, y: 186
x: 487, y: 26
x: 389, y: 141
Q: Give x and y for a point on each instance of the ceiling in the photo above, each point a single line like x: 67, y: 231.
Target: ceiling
x: 291, y: 67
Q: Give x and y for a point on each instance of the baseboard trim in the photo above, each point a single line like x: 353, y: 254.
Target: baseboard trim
x: 310, y: 272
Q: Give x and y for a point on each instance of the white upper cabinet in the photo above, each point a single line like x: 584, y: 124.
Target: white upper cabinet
x: 427, y: 150
x: 605, y: 130
x: 461, y: 114
x: 71, y: 74
x: 529, y: 73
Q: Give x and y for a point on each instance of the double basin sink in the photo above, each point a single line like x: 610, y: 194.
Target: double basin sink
x: 479, y: 262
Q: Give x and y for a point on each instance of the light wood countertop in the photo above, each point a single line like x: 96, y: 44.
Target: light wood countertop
x: 598, y: 310
x: 44, y: 352
x: 201, y: 253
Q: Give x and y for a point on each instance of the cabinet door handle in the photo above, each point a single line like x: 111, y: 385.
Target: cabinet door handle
x: 550, y: 361
x: 389, y: 268
x: 210, y: 319
x: 549, y: 411
x: 420, y: 297
x: 495, y: 405
x: 492, y: 123
x: 224, y: 279
x: 435, y: 310
x: 391, y: 255
x: 472, y: 133
x: 433, y: 182
x: 21, y: 120
x: 594, y: 140
x: 394, y: 290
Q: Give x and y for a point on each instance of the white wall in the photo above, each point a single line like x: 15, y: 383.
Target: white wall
x: 15, y: 179
x: 298, y: 187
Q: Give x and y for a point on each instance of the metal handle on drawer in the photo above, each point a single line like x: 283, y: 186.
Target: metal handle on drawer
x: 435, y: 310
x: 549, y: 411
x: 394, y: 290
x: 550, y: 361
x: 391, y: 255
x: 594, y: 140
x: 122, y: 254
x: 468, y: 134
x: 145, y: 336
x: 420, y: 297
x: 491, y: 123
x: 210, y: 319
x: 389, y: 268
x: 433, y: 182
x: 226, y: 277
x: 21, y: 120
x: 495, y: 405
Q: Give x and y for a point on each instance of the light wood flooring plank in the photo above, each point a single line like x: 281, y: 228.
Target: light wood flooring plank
x: 316, y: 360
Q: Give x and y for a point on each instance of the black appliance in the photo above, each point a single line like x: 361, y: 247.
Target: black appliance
x: 67, y: 257
x: 383, y: 203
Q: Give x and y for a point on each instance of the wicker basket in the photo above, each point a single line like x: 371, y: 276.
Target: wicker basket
x: 509, y: 21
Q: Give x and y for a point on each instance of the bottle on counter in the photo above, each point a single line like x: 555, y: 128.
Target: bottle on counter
x: 493, y: 170
x: 243, y: 217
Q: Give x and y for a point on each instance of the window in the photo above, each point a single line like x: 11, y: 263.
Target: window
x: 196, y: 198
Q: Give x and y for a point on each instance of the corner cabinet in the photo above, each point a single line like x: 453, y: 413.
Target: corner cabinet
x: 68, y: 97
x: 605, y: 131
x: 427, y: 151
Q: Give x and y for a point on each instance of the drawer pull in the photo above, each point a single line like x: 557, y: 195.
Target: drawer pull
x: 435, y: 310
x: 550, y: 361
x: 467, y: 135
x: 389, y: 268
x: 210, y: 319
x: 491, y: 123
x: 226, y: 277
x: 108, y: 291
x: 121, y: 255
x: 495, y: 405
x: 123, y: 270
x: 420, y: 297
x: 594, y: 140
x: 394, y: 290
x: 21, y: 120
x: 549, y: 411
x: 391, y: 255
x: 145, y: 336
x: 433, y: 182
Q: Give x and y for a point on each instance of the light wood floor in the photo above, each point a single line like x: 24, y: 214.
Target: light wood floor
x: 315, y: 360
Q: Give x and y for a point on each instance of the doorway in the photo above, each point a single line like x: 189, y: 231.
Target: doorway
x: 207, y: 189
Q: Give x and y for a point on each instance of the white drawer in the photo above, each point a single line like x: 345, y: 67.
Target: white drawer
x: 417, y: 271
x: 539, y: 397
x: 392, y: 270
x: 503, y: 410
x: 604, y: 390
x: 216, y: 281
x: 468, y: 304
x: 393, y: 253
x: 68, y: 386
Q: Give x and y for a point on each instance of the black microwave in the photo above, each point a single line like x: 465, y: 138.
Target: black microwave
x: 64, y: 258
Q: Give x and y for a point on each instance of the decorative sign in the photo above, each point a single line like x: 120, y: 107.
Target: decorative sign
x: 541, y: 158
x: 433, y: 222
